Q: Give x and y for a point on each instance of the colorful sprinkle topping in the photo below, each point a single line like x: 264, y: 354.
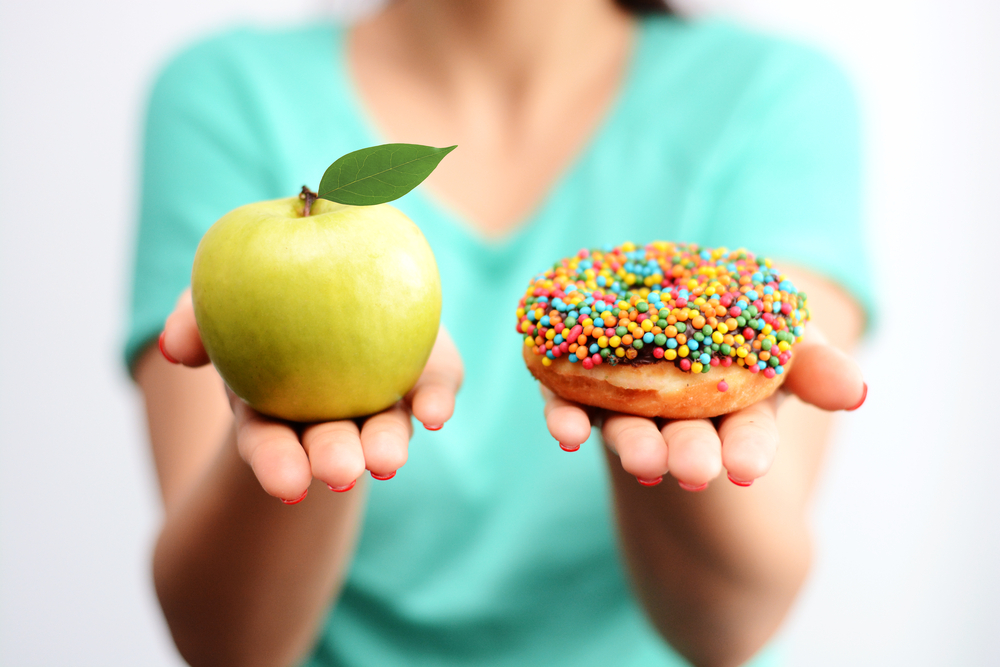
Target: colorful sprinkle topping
x: 690, y: 306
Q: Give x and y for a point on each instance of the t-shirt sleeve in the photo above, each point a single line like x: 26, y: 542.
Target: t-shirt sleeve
x: 203, y: 155
x: 788, y: 181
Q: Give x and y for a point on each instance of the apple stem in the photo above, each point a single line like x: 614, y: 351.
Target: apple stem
x: 308, y: 196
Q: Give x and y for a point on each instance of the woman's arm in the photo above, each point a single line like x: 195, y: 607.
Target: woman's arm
x: 718, y: 570
x: 242, y: 578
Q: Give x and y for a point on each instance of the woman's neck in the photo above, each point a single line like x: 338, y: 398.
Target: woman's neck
x: 516, y: 48
x: 519, y: 85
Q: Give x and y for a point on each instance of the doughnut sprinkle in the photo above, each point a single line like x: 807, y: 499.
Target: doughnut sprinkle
x: 695, y: 308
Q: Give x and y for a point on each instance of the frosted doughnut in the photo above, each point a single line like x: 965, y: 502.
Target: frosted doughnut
x: 664, y: 330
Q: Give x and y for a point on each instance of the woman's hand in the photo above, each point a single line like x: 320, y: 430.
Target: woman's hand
x: 286, y: 457
x: 695, y: 451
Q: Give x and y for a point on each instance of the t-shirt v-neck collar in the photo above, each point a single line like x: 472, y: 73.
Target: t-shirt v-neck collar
x: 429, y: 205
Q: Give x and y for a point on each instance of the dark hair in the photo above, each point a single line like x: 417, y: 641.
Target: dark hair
x: 645, y: 6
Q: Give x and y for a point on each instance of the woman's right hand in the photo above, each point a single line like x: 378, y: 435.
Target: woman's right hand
x: 286, y: 459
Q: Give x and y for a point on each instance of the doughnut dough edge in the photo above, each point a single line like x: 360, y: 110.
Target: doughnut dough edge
x: 656, y: 389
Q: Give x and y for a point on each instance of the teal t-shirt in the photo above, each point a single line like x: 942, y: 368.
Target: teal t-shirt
x: 492, y: 546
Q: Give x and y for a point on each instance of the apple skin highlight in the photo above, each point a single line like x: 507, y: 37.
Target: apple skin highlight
x: 330, y: 316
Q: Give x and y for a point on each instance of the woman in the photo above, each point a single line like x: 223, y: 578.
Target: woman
x: 578, y: 123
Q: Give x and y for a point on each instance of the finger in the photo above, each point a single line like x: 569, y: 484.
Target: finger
x: 695, y: 452
x: 750, y: 441
x: 432, y: 399
x: 180, y: 342
x: 567, y: 422
x: 824, y: 376
x: 273, y: 451
x: 335, y: 454
x: 639, y: 445
x: 385, y: 439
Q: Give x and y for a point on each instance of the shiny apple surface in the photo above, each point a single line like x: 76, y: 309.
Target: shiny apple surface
x: 329, y: 316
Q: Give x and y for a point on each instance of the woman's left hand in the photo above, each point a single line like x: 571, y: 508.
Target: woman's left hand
x: 695, y: 451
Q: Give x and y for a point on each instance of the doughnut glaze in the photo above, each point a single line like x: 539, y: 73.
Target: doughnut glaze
x: 664, y: 330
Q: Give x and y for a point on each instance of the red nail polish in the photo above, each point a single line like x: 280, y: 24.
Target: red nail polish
x: 650, y: 482
x: 433, y: 427
x: 383, y: 477
x: 738, y: 482
x: 163, y: 350
x: 341, y: 489
x: 568, y: 448
x: 297, y: 500
x: 864, y: 395
x: 693, y: 487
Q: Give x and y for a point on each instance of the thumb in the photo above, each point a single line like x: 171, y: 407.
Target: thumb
x: 824, y: 376
x: 432, y: 399
x: 180, y: 342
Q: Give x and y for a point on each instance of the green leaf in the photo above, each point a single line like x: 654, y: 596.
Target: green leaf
x: 379, y: 174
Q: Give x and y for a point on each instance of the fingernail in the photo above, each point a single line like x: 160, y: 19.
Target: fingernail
x: 166, y: 356
x: 693, y: 487
x: 341, y: 489
x: 433, y: 427
x: 568, y: 448
x: 737, y: 482
x: 864, y: 395
x: 383, y: 477
x: 650, y: 482
x: 297, y: 500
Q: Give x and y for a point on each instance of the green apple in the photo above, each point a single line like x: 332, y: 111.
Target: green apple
x: 316, y: 317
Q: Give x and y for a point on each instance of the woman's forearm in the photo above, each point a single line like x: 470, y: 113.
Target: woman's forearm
x: 718, y: 570
x: 244, y: 579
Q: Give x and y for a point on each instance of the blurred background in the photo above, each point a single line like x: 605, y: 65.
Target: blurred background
x: 907, y: 515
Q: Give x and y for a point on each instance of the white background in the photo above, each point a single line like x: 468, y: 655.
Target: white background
x: 907, y: 512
